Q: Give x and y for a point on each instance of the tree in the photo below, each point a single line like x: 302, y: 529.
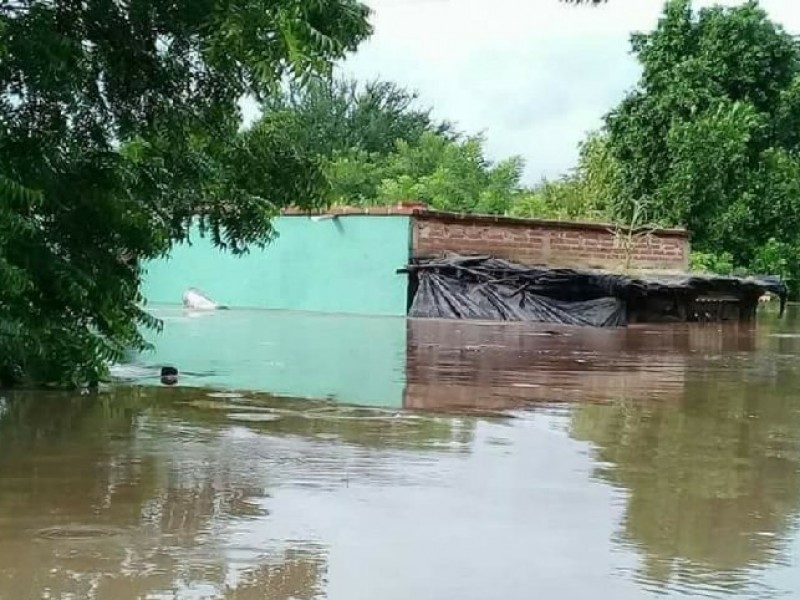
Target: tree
x: 446, y: 173
x: 118, y: 127
x: 709, y: 137
x: 334, y: 116
x: 450, y: 175
x: 350, y: 128
x: 586, y: 193
x: 377, y: 146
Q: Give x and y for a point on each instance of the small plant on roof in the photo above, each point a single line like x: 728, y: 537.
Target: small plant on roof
x: 633, y: 234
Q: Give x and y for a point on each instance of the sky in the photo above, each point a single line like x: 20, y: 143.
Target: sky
x: 534, y: 76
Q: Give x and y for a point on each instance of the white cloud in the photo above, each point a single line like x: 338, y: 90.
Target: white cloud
x: 534, y: 75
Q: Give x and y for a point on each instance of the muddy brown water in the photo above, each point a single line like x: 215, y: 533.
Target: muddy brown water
x: 480, y: 461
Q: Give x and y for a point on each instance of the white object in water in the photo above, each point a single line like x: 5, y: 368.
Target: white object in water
x: 194, y: 299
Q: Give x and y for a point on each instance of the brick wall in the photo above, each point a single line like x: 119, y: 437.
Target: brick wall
x: 539, y: 242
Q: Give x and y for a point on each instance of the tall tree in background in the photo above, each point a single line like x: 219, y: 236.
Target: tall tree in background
x: 333, y: 116
x: 589, y: 192
x: 118, y: 125
x: 710, y: 137
x: 450, y: 174
x: 446, y: 172
x: 376, y: 145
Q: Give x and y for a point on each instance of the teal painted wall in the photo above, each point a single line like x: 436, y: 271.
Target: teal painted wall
x: 354, y: 359
x: 342, y: 265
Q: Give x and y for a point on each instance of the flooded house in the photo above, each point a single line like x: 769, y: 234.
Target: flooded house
x: 409, y: 260
x: 486, y: 288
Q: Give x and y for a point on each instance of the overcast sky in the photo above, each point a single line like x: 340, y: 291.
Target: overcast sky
x: 533, y: 75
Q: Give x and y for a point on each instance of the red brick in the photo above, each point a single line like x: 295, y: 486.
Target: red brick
x: 542, y: 242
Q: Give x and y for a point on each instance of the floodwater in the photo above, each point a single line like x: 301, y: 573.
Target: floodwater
x: 413, y: 460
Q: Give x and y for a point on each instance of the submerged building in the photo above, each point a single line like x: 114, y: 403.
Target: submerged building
x: 408, y: 260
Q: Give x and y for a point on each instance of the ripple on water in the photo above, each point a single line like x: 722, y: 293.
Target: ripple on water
x: 77, y: 532
x: 673, y: 473
x: 223, y: 395
x: 355, y: 413
x: 254, y: 417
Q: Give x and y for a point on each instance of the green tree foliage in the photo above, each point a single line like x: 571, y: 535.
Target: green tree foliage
x: 709, y: 138
x: 118, y: 125
x: 377, y: 146
x: 446, y: 174
x: 333, y: 116
x: 708, y: 262
x: 588, y: 192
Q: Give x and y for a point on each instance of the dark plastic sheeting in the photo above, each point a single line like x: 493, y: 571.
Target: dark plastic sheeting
x: 444, y: 297
x: 486, y: 288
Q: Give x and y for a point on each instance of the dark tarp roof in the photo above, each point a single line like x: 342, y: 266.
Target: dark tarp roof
x: 480, y: 287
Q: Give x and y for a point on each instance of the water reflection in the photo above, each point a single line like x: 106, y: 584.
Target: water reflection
x: 305, y: 355
x: 159, y: 493
x: 698, y: 425
x: 498, y: 367
x: 713, y: 477
x: 568, y: 463
x: 299, y: 576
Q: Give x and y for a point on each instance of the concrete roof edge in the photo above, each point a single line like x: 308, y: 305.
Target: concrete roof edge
x: 526, y: 221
